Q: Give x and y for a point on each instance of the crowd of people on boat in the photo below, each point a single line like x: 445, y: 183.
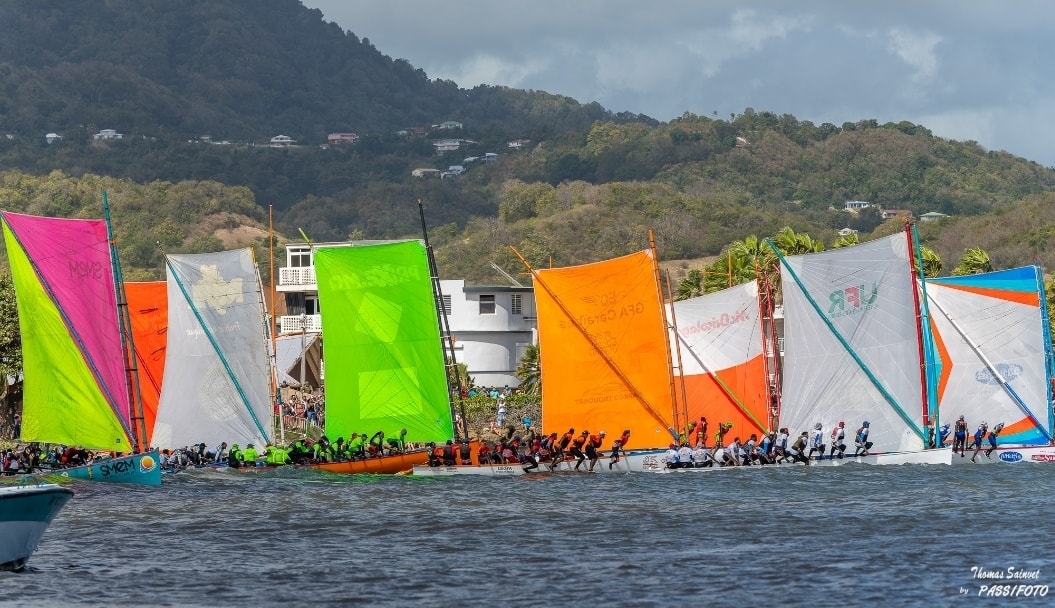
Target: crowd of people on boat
x: 32, y: 458
x: 300, y: 451
x: 960, y: 435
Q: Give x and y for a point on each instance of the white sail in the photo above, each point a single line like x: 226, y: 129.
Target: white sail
x: 990, y: 339
x: 851, y: 343
x: 217, y: 383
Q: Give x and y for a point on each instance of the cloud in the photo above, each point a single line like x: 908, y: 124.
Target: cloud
x: 917, y: 50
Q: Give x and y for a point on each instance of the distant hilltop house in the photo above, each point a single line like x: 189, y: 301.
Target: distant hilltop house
x: 425, y: 172
x: 856, y: 205
x: 933, y: 216
x: 282, y: 141
x: 452, y: 171
x: 446, y: 145
x: 847, y: 232
x: 52, y: 138
x: 448, y: 124
x: 889, y: 213
x: 108, y: 134
x: 741, y: 142
x: 341, y: 138
x: 517, y: 144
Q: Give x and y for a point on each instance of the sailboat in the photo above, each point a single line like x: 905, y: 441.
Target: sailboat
x: 385, y: 367
x: 854, y: 349
x: 26, y: 511
x: 217, y: 375
x: 992, y: 359
x: 80, y: 385
x: 605, y: 361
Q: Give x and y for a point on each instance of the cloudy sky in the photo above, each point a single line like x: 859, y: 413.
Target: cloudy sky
x: 965, y: 69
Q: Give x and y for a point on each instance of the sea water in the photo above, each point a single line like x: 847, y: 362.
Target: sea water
x: 843, y: 536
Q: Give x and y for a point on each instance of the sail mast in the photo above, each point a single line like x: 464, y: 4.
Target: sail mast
x: 135, y: 396
x: 445, y: 330
x: 276, y: 392
x: 922, y: 321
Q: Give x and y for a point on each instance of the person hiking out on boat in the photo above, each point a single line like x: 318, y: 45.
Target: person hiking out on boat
x: 861, y: 440
x: 376, y: 445
x: 719, y: 435
x: 249, y: 455
x: 817, y: 442
x: 559, y: 453
x: 619, y: 448
x: 672, y: 456
x: 798, y: 449
x: 234, y: 456
x: 220, y: 453
x: 483, y: 454
x: 577, y: 445
x: 593, y: 448
x: 838, y: 440
x: 943, y: 435
x: 992, y: 438
x: 397, y: 444
x: 684, y: 456
x: 959, y: 436
x: 979, y: 435
x: 780, y: 448
x: 699, y: 457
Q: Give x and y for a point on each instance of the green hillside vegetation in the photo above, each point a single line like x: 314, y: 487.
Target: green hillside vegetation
x: 589, y: 184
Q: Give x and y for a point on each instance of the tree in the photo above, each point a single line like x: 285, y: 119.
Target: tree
x: 974, y: 261
x: 10, y: 348
x: 529, y: 371
x: 930, y: 262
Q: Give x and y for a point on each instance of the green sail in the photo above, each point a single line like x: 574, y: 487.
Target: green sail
x: 62, y: 402
x: 384, y: 357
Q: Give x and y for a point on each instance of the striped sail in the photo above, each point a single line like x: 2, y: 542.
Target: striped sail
x: 851, y: 343
x: 722, y: 360
x: 76, y: 389
x: 993, y: 347
x: 217, y: 373
x: 385, y: 368
x: 603, y: 348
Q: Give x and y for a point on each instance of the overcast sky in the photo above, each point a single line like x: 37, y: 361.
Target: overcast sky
x: 965, y: 69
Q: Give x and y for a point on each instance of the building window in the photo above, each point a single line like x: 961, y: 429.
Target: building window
x: 300, y: 258
x: 487, y: 304
x: 446, y: 304
x: 517, y: 306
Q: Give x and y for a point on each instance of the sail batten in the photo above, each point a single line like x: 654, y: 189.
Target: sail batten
x: 383, y: 351
x: 216, y: 379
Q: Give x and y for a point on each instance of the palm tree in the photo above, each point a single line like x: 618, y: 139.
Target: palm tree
x: 974, y: 261
x: 529, y: 371
x: 930, y: 262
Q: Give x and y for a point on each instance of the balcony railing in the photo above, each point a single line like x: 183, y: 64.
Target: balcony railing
x: 294, y: 324
x: 296, y: 275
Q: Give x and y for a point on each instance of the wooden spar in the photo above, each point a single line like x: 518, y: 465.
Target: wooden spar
x: 445, y: 331
x: 681, y: 368
x: 920, y: 320
x: 128, y: 349
x: 582, y: 330
x: 276, y: 393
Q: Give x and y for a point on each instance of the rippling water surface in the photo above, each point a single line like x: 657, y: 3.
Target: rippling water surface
x: 845, y: 536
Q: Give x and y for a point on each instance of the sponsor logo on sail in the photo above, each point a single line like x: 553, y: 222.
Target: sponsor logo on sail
x: 1010, y: 456
x: 1007, y: 373
x: 852, y: 300
x: 717, y: 322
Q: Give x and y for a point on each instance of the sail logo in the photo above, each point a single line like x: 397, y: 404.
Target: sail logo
x: 717, y: 322
x: 1010, y: 456
x: 215, y: 292
x: 80, y: 269
x: 852, y: 300
x: 1005, y: 372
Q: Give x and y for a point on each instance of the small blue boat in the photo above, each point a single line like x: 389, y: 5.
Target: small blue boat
x: 25, y: 514
x: 143, y: 469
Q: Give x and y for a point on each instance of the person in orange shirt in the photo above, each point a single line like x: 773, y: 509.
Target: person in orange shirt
x: 593, y: 446
x: 576, y: 448
x: 619, y: 448
x: 559, y: 448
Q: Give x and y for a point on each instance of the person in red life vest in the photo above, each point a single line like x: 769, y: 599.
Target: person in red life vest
x: 449, y: 457
x: 435, y: 455
x: 561, y: 447
x: 619, y: 448
x: 700, y: 439
x: 577, y: 445
x: 484, y: 454
x: 593, y: 448
x: 546, y: 447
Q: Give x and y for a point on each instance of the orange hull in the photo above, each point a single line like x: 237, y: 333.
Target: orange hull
x: 385, y: 465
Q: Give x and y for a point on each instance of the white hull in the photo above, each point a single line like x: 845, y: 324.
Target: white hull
x: 940, y: 456
x: 633, y: 462
x: 25, y: 514
x: 1009, y: 454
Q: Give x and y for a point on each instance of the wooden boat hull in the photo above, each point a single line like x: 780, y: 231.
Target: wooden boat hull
x: 143, y: 469
x: 383, y: 465
x: 25, y: 514
x: 634, y: 462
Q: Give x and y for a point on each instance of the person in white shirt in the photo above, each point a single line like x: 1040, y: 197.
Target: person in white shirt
x: 733, y: 452
x: 817, y: 442
x: 838, y: 440
x: 685, y: 456
x: 672, y: 457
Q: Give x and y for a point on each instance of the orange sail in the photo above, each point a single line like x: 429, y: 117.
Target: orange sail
x: 148, y: 311
x: 603, y: 350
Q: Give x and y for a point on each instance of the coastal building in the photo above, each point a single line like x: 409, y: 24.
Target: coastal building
x: 106, y: 134
x: 341, y: 138
x: 52, y: 138
x: 856, y: 205
x: 282, y: 141
x: 933, y: 216
x: 490, y: 326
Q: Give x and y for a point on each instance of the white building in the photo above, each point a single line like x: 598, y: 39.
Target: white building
x: 52, y: 138
x: 490, y: 326
x: 282, y: 141
x: 108, y: 134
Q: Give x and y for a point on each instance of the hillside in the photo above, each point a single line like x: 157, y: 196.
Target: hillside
x: 198, y: 88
